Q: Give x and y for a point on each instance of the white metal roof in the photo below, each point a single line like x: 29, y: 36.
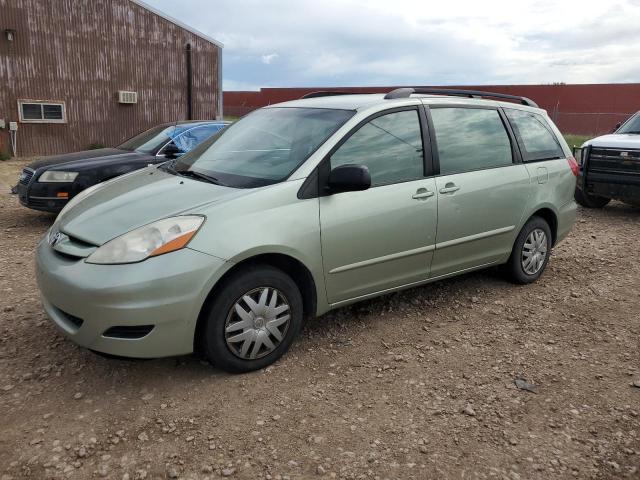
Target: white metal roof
x: 177, y: 22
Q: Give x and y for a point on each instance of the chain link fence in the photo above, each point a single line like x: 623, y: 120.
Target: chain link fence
x: 237, y: 111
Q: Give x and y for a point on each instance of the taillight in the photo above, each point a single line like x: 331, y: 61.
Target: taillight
x: 575, y: 168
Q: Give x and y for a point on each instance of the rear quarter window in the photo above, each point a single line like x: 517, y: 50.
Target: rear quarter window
x: 535, y: 137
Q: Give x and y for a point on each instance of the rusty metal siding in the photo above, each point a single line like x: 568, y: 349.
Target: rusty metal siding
x: 82, y: 52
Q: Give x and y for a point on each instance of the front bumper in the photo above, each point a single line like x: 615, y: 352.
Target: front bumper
x: 166, y: 292
x: 44, y: 196
x: 610, y: 185
x: 620, y: 187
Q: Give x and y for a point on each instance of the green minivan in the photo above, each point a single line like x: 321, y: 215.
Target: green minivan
x: 302, y: 207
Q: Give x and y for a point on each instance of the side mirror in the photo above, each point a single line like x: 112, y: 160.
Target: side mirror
x: 171, y: 151
x: 618, y: 125
x: 349, y: 178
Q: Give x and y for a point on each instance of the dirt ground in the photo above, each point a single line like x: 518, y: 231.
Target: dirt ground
x: 412, y: 385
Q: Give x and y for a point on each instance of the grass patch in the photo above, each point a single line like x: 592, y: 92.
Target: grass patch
x: 576, y: 140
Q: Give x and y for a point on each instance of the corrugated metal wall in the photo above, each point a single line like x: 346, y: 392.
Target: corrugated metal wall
x: 83, y: 52
x: 587, y: 109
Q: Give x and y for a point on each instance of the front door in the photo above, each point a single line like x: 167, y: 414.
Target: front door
x: 482, y: 192
x: 383, y: 237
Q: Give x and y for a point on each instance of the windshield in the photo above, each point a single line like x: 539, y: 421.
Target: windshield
x: 631, y: 126
x: 264, y: 147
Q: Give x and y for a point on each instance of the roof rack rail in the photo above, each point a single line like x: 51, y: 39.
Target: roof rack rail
x: 406, y: 92
x: 329, y: 93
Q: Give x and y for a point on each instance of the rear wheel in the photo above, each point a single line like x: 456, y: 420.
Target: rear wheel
x: 252, y: 320
x: 590, y: 201
x: 530, y: 253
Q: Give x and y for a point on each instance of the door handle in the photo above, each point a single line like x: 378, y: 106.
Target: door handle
x: 449, y: 188
x: 422, y: 193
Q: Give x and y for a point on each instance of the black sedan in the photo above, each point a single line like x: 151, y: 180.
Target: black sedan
x: 50, y: 182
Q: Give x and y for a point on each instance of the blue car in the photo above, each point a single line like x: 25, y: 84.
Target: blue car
x: 50, y: 182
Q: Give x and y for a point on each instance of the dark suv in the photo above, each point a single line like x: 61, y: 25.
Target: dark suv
x: 610, y: 167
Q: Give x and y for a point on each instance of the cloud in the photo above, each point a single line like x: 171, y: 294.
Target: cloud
x: 269, y: 59
x: 358, y: 42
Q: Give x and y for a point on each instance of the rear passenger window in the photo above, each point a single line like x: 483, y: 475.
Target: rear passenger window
x: 470, y: 139
x: 389, y: 145
x: 537, y: 141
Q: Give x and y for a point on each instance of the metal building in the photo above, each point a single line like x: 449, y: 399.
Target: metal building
x: 75, y: 73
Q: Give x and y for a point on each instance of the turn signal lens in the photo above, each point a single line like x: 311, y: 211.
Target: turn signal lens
x: 175, y: 244
x: 575, y: 168
x: 62, y: 194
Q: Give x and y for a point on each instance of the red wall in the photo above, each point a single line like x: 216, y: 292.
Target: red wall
x: 586, y: 109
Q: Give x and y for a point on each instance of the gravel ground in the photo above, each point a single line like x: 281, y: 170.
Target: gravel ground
x: 418, y: 384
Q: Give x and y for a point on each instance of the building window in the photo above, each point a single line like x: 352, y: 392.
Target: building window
x: 31, y: 111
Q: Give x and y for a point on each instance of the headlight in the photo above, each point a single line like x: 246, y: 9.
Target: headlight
x: 56, y: 176
x: 160, y: 237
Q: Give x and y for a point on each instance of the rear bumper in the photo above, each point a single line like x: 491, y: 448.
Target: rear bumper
x: 165, y: 292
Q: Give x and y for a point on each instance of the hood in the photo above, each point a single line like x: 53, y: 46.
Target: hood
x: 616, y: 140
x: 78, y: 156
x: 139, y: 198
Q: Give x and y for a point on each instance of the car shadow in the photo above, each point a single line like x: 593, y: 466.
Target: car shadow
x: 193, y: 368
x: 424, y: 297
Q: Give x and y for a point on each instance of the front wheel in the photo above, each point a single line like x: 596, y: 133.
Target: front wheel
x: 530, y: 253
x: 252, y: 320
x: 590, y: 201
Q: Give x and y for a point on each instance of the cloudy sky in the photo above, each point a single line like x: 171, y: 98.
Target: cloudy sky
x: 272, y: 43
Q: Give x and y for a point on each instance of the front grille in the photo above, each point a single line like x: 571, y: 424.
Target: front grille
x: 26, y: 176
x: 129, y: 333
x: 70, y: 247
x: 614, y: 160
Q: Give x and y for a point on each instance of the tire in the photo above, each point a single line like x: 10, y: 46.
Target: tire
x: 590, y: 201
x: 515, y: 267
x: 232, y: 319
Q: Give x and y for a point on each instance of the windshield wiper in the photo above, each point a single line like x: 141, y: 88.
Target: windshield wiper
x: 633, y: 132
x: 169, y: 166
x: 199, y: 176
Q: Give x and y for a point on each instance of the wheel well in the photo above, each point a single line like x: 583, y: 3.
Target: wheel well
x: 550, y: 217
x: 292, y: 267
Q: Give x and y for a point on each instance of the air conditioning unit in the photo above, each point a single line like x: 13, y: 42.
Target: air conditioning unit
x: 127, y: 97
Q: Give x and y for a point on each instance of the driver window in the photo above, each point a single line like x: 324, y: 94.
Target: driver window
x: 389, y: 145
